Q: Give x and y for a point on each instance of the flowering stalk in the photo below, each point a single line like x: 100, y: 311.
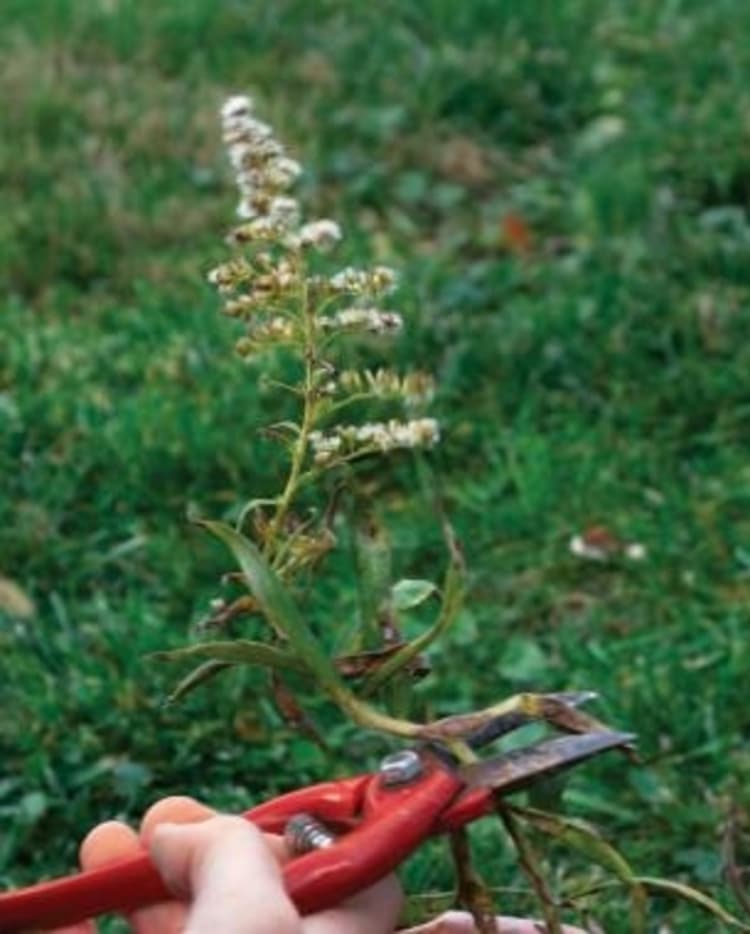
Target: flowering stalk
x: 272, y: 288
x: 276, y: 287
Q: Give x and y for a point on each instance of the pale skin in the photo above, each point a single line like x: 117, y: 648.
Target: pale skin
x: 226, y: 876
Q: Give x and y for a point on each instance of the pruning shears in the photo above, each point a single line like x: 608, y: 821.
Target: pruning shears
x: 348, y: 833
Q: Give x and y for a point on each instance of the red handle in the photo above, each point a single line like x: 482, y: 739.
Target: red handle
x: 134, y: 883
x: 398, y: 821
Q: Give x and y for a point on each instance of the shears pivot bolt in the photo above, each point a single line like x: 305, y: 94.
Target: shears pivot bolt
x: 399, y: 768
x: 304, y: 833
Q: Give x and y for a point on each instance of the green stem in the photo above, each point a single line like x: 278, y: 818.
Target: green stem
x: 529, y: 863
x: 299, y: 449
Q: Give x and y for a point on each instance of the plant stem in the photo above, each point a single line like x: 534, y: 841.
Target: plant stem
x: 299, y: 449
x: 472, y: 892
x: 530, y: 865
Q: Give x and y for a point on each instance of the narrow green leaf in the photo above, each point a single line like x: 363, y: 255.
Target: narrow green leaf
x: 278, y: 606
x: 235, y: 652
x: 200, y: 675
x: 408, y: 593
x: 249, y: 507
x: 585, y: 839
x: 689, y: 894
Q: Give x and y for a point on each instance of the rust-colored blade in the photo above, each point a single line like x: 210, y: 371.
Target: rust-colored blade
x: 508, y: 722
x: 522, y: 767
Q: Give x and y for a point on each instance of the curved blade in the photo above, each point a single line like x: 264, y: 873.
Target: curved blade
x: 522, y: 767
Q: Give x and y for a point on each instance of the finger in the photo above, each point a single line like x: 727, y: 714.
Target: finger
x: 177, y: 809
x: 373, y: 911
x: 104, y: 844
x: 232, y: 873
x: 460, y: 922
x: 107, y: 843
x: 113, y: 841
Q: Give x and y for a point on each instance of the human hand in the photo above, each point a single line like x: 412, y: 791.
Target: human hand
x: 226, y: 876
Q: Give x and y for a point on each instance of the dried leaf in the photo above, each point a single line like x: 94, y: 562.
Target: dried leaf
x: 517, y: 234
x: 14, y: 601
x: 292, y: 711
x: 221, y: 618
x: 364, y: 663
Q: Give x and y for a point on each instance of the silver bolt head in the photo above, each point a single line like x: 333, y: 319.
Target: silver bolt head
x: 402, y: 767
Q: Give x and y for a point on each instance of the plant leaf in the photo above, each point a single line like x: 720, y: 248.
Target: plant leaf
x: 689, y: 894
x: 582, y: 837
x: 235, y: 652
x: 408, y: 593
x: 453, y: 596
x: 197, y: 676
x: 278, y: 606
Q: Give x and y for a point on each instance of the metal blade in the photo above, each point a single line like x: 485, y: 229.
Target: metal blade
x: 508, y: 722
x: 522, y: 767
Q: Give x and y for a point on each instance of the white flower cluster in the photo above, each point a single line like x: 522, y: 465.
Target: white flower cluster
x: 416, y: 388
x: 354, y: 440
x: 376, y: 281
x: 264, y: 173
x: 322, y: 234
x: 364, y: 321
x: 261, y: 164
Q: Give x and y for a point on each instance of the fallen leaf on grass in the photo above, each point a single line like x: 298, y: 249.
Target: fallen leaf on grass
x: 14, y: 600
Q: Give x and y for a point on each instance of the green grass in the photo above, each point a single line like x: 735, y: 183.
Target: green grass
x: 601, y: 379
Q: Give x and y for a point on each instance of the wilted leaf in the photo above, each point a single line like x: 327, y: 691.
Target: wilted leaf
x: 408, y: 593
x: 583, y: 838
x: 580, y: 836
x: 225, y: 613
x: 14, y: 601
x: 689, y: 894
x: 364, y: 663
x: 292, y: 711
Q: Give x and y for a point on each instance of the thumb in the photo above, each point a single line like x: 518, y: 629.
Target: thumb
x: 227, y: 869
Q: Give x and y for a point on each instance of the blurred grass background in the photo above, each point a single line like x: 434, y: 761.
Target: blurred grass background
x: 593, y: 370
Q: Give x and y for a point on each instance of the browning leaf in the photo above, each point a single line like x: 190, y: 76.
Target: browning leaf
x: 364, y: 663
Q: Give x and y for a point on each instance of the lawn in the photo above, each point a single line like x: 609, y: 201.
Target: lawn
x: 565, y: 189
